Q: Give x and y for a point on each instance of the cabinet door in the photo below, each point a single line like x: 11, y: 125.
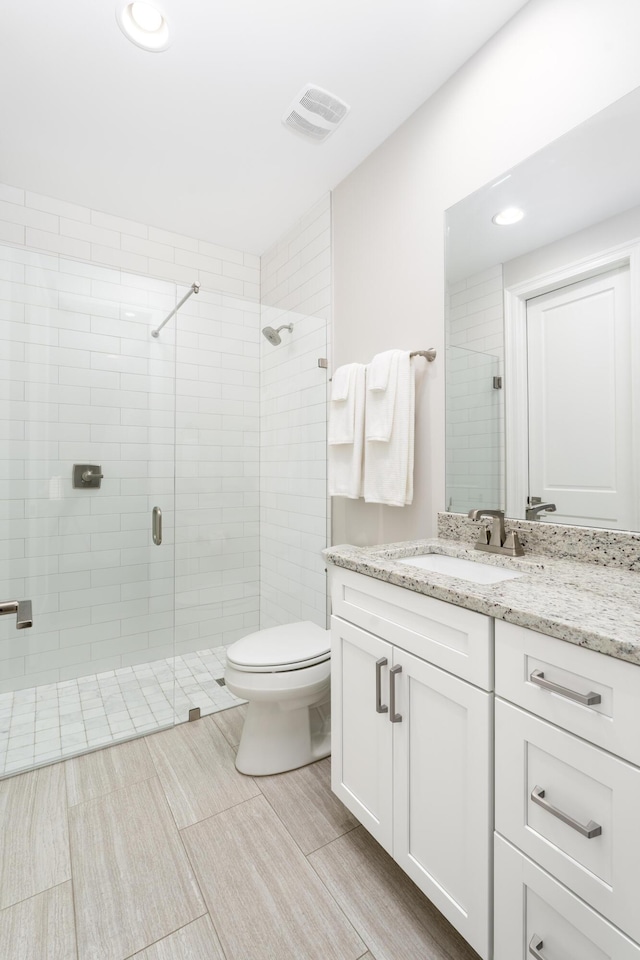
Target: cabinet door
x: 535, y: 916
x: 361, y: 736
x: 443, y: 798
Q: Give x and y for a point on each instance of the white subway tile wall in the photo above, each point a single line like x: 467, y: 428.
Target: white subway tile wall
x: 475, y: 410
x: 82, y: 381
x: 296, y: 288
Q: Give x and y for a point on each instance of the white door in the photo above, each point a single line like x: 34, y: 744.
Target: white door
x: 580, y: 404
x: 361, y: 734
x: 443, y: 813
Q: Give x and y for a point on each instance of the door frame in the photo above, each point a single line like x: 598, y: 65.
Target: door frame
x: 516, y: 388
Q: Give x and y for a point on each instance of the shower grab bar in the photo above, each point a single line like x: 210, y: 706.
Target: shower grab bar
x: 194, y: 288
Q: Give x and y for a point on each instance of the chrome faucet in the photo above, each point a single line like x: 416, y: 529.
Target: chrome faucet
x: 496, y: 540
x: 534, y: 511
x: 22, y: 610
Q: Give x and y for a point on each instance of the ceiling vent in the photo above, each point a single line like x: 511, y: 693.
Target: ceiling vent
x: 315, y: 113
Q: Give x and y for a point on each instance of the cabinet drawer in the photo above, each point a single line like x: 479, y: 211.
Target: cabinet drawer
x: 522, y: 655
x: 534, y: 910
x: 450, y: 637
x: 551, y: 787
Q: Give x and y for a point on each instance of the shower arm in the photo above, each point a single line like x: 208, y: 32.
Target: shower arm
x: 195, y: 288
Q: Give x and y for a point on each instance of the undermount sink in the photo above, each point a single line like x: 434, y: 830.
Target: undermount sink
x: 476, y: 572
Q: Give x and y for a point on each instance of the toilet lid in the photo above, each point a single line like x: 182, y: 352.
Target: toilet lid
x: 289, y: 647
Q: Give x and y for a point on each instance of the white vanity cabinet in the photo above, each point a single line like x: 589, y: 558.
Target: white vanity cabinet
x: 412, y: 740
x: 567, y: 880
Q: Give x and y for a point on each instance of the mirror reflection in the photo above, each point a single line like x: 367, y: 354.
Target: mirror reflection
x: 542, y: 332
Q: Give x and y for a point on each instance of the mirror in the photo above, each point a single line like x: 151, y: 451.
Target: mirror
x: 543, y: 332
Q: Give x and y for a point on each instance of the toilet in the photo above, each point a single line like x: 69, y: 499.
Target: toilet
x: 284, y: 673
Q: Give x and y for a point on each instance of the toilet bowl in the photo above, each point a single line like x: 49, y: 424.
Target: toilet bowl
x: 284, y: 674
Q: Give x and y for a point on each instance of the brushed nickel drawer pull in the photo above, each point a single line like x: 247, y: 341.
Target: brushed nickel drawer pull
x: 535, y: 946
x: 393, y: 716
x: 591, y: 830
x: 380, y: 706
x: 587, y: 699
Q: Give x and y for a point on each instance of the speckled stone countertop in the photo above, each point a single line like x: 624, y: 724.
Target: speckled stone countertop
x: 593, y: 606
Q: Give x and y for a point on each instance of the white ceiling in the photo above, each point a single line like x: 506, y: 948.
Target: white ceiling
x: 584, y: 177
x: 190, y: 139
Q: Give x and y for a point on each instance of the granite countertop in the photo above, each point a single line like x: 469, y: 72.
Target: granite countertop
x: 593, y: 606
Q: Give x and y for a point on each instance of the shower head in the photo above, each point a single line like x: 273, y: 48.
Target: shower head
x: 273, y: 336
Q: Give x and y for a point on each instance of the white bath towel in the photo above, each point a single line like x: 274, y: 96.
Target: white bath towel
x: 382, y: 388
x: 342, y: 411
x: 345, y: 457
x: 388, y: 465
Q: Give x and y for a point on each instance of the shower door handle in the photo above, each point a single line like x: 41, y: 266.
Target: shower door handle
x: 156, y: 525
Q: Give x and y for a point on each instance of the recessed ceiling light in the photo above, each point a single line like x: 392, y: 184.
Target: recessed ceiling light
x: 145, y: 24
x: 507, y: 217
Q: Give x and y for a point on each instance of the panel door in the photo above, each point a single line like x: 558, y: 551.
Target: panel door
x: 361, y: 737
x: 443, y: 796
x: 580, y: 410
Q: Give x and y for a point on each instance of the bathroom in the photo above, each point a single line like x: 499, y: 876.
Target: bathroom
x: 225, y: 433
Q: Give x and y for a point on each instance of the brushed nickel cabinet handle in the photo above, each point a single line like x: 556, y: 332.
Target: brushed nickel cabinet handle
x: 589, y: 831
x: 156, y: 525
x: 587, y: 699
x: 380, y: 707
x: 535, y: 946
x: 393, y: 716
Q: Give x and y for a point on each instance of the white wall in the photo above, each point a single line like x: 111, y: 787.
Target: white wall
x: 296, y: 288
x: 551, y: 67
x: 82, y: 380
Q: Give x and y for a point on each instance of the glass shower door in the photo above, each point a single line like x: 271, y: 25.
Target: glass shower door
x: 475, y: 430
x: 88, y: 400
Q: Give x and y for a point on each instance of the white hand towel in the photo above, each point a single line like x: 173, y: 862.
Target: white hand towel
x: 345, y: 459
x: 340, y: 382
x: 388, y: 465
x: 382, y: 386
x: 342, y: 411
x: 379, y: 369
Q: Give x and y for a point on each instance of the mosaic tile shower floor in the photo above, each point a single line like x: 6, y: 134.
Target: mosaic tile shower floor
x: 59, y: 720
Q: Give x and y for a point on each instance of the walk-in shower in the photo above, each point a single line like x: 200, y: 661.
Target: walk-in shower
x: 199, y: 424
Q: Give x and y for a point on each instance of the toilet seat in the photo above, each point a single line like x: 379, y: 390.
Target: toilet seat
x: 293, y: 646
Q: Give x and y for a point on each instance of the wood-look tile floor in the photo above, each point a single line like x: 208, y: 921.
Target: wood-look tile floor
x: 158, y: 849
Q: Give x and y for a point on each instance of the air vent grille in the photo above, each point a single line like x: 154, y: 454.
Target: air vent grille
x: 303, y: 126
x: 315, y: 113
x: 324, y: 104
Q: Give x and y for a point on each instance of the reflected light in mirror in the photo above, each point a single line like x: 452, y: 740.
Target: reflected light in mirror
x: 508, y: 217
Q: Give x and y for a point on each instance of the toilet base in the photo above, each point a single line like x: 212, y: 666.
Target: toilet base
x: 276, y: 739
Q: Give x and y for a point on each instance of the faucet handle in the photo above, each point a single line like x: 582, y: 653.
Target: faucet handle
x: 512, y: 545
